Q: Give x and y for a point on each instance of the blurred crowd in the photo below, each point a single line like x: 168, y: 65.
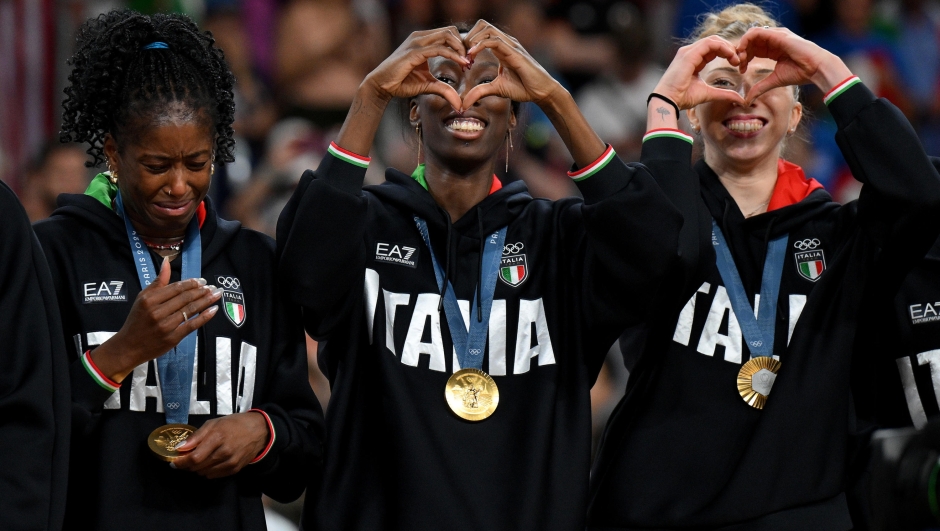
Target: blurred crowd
x: 298, y: 64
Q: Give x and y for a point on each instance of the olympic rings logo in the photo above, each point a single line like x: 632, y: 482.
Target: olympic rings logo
x: 173, y: 405
x: 807, y: 244
x: 229, y: 282
x: 513, y: 248
x: 476, y: 351
x: 757, y: 344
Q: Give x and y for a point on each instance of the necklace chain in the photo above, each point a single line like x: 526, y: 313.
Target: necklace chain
x: 165, y: 246
x: 760, y: 206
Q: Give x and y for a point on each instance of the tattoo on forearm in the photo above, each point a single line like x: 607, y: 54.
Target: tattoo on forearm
x: 664, y: 112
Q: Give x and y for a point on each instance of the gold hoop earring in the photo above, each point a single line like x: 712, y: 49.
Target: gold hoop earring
x: 212, y: 169
x: 508, y: 148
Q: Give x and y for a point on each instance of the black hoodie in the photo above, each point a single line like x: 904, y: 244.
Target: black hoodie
x: 683, y: 450
x: 397, y: 457
x: 900, y: 384
x: 34, y: 381
x: 255, y: 359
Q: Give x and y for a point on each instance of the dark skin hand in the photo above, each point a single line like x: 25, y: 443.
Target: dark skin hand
x: 155, y: 323
x: 223, y: 446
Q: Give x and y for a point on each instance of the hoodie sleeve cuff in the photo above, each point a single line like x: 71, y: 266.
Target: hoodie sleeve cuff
x: 343, y: 169
x: 99, y: 377
x: 271, y: 438
x: 594, y: 167
x: 654, y: 134
x: 667, y: 145
x: 607, y: 179
x: 847, y: 99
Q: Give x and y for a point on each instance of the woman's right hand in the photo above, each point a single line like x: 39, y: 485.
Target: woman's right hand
x: 405, y: 73
x: 681, y: 82
x: 162, y: 315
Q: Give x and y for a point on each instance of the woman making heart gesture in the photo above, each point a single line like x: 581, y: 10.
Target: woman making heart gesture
x: 464, y: 321
x: 737, y: 412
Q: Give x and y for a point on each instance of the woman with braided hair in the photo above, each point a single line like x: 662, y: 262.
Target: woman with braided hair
x: 181, y: 418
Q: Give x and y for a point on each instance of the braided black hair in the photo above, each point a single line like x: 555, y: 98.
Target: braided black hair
x: 117, y: 84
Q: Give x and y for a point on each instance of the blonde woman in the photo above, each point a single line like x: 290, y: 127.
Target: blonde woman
x: 738, y: 409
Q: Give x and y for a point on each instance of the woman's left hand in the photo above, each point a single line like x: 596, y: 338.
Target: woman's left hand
x: 799, y: 61
x: 223, y: 446
x: 520, y: 76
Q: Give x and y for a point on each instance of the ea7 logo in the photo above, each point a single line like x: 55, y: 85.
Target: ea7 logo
x: 924, y: 313
x: 104, y: 291
x: 394, y: 253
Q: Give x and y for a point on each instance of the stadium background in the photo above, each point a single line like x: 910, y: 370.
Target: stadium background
x: 298, y: 63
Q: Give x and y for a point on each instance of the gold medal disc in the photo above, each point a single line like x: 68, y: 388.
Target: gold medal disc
x: 471, y: 394
x: 164, y: 440
x: 755, y: 379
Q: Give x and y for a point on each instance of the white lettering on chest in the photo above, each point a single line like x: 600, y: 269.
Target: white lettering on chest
x: 532, y: 312
x: 141, y: 391
x: 721, y: 308
x: 425, y: 314
x: 914, y: 405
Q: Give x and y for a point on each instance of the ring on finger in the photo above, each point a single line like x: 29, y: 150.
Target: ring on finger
x: 185, y: 317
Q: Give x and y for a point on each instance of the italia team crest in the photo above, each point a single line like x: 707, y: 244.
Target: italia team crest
x: 233, y: 300
x: 512, y: 266
x: 811, y: 262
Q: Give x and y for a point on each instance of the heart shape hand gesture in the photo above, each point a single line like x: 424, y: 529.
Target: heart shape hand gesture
x: 406, y: 74
x: 798, y: 61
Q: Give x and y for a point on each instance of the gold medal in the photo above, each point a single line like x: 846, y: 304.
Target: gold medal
x: 471, y: 394
x: 165, y: 440
x: 755, y: 379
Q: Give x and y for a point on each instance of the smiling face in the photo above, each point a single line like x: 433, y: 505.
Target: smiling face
x: 460, y: 142
x: 737, y: 138
x: 164, y: 170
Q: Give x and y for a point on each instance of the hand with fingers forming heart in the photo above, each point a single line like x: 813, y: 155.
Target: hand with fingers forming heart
x: 521, y: 78
x: 799, y: 61
x: 404, y: 74
x: 681, y: 82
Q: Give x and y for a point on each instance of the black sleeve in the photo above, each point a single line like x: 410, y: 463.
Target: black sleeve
x: 629, y: 243
x: 295, y: 455
x: 34, y: 385
x: 669, y: 160
x: 320, y: 235
x: 898, y: 205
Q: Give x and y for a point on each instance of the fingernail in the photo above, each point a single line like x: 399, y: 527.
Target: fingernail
x: 215, y: 291
x: 201, y: 281
x: 172, y: 465
x: 211, y: 310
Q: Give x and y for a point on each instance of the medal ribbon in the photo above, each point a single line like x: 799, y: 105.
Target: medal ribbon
x: 175, y: 368
x: 469, y: 345
x: 758, y: 331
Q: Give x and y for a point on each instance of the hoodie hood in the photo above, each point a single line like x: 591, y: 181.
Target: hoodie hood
x: 799, y: 200
x: 498, y: 209
x: 91, y: 212
x: 795, y: 200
